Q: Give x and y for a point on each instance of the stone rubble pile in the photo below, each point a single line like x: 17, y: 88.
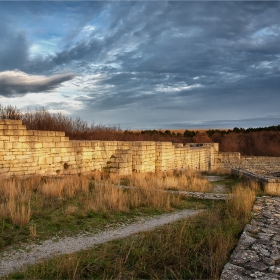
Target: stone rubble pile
x: 257, y: 255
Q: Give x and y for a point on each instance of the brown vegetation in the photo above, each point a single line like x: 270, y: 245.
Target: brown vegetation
x: 20, y: 198
x: 196, y: 248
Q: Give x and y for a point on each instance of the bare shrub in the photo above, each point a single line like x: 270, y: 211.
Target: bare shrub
x: 10, y: 112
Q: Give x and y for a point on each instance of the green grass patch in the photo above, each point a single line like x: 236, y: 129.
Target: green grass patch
x: 52, y: 219
x: 194, y: 248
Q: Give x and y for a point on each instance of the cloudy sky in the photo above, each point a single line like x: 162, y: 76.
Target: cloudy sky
x: 144, y: 65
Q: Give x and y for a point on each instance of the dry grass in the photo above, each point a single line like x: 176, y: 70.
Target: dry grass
x: 173, y: 180
x: 64, y: 187
x: 32, y: 231
x: 20, y: 197
x: 17, y: 194
x: 243, y: 199
x: 196, y: 248
x: 108, y: 197
x: 193, y: 249
x: 15, y: 201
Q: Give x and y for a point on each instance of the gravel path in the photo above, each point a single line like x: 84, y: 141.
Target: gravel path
x: 14, y: 260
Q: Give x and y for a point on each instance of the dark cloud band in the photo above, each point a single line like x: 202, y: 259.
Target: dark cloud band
x: 19, y: 83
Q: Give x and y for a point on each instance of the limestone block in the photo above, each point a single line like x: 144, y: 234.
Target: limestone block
x: 8, y: 146
x: 67, y: 144
x: 9, y: 157
x: 25, y: 157
x: 12, y: 126
x: 49, y: 160
x: 64, y: 150
x: 22, y: 139
x: 7, y: 121
x: 35, y: 145
x: 59, y: 133
x: 32, y: 169
x: 40, y: 133
x: 19, y: 170
x: 50, y: 139
x: 88, y: 144
x: 54, y: 150
x: 64, y: 139
x: 65, y: 158
x: 59, y: 144
x: 19, y: 127
x: 33, y: 139
x: 51, y: 133
x: 48, y: 145
x: 72, y: 158
x: 57, y: 159
x: 28, y: 132
x: 12, y: 132
x: 4, y: 138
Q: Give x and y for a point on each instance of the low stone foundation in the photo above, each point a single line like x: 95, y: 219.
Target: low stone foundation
x: 268, y: 182
x: 257, y: 255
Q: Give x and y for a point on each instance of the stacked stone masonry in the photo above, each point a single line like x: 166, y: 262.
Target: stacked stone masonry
x: 257, y: 255
x: 29, y: 152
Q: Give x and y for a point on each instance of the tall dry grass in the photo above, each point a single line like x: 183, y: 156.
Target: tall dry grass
x: 65, y: 187
x: 15, y: 201
x: 17, y: 195
x: 244, y: 196
x: 20, y: 197
x: 187, y: 180
x: 193, y: 249
x: 107, y: 197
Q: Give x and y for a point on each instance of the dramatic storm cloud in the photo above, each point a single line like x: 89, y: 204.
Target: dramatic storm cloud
x: 176, y: 64
x: 17, y: 82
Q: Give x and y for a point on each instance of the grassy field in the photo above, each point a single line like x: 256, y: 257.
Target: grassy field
x: 34, y: 209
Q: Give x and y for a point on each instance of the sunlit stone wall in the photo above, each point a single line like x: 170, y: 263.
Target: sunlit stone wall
x: 28, y: 152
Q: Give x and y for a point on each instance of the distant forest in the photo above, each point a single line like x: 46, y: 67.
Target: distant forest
x: 262, y: 141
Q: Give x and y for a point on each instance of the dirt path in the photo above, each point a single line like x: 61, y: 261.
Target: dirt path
x: 14, y: 260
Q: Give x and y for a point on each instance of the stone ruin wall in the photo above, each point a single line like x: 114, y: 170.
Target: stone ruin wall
x: 29, y: 152
x: 254, y: 163
x: 264, y: 170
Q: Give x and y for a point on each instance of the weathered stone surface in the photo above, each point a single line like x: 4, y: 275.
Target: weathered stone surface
x: 234, y: 272
x: 246, y: 240
x: 257, y: 255
x: 244, y: 256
